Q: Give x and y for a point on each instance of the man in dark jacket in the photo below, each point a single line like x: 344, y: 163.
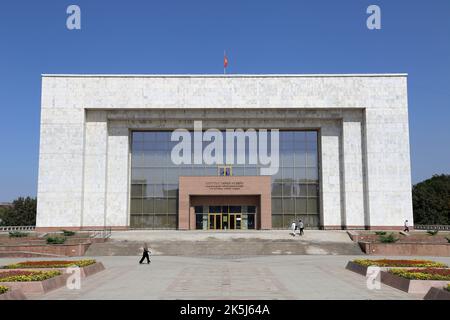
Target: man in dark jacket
x: 145, y: 254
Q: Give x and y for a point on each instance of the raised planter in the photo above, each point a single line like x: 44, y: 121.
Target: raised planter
x: 69, y: 250
x: 437, y: 294
x: 38, y: 287
x: 410, y: 286
x: 84, y: 271
x: 406, y: 249
x: 13, y: 295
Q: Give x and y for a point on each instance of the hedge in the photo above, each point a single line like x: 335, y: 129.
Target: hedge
x: 3, y: 289
x: 25, y: 276
x: 51, y: 264
x: 399, y: 263
x: 423, y: 274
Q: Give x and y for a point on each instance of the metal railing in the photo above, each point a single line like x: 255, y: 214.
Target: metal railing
x: 17, y: 228
x: 432, y: 227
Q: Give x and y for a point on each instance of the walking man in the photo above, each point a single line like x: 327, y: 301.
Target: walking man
x: 406, y: 226
x: 145, y: 254
x: 293, y: 227
x: 301, y: 226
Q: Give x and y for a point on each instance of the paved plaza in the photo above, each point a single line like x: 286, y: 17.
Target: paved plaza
x: 264, y: 277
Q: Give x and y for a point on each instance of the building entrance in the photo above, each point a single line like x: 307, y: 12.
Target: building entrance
x: 225, y: 217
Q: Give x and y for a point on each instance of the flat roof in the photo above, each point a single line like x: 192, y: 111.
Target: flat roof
x: 225, y: 75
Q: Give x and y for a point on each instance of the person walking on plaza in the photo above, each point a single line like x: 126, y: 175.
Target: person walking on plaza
x: 293, y: 227
x: 406, y: 226
x: 145, y: 254
x: 301, y: 226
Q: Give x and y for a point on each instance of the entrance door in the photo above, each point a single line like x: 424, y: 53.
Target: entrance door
x: 235, y: 221
x: 215, y: 221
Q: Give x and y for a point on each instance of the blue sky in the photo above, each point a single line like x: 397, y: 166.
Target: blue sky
x: 146, y: 36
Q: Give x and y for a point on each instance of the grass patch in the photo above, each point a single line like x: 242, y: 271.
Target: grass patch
x: 400, y: 263
x: 17, y: 234
x: 51, y: 264
x: 423, y: 274
x: 390, y: 238
x: 56, y: 240
x: 380, y: 233
x: 25, y: 276
x: 3, y: 289
x: 432, y: 232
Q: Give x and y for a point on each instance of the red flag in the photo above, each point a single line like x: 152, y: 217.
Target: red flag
x: 225, y: 60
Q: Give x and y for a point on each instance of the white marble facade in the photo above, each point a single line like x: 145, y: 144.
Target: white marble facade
x: 86, y: 120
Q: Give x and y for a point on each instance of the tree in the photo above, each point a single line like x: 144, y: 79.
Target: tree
x: 22, y: 213
x: 431, y: 200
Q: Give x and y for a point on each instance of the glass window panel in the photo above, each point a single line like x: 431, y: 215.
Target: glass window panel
x: 158, y: 190
x: 160, y: 221
x: 238, y: 171
x: 299, y: 137
x: 311, y: 136
x: 277, y: 189
x: 171, y: 190
x: 288, y: 219
x: 303, y: 190
x: 277, y: 221
x: 160, y: 205
x: 312, y: 190
x: 312, y: 159
x: 277, y: 207
x: 277, y: 177
x: 300, y: 158
x: 300, y: 205
x: 137, y: 159
x: 296, y: 190
x: 198, y: 171
x: 138, y: 136
x: 198, y: 209
x: 136, y: 191
x: 172, y: 175
x: 136, y: 206
x: 287, y: 158
x: 136, y: 220
x: 300, y: 174
x: 312, y: 205
x: 215, y: 209
x: 138, y: 176
x: 186, y: 171
x: 288, y: 174
x: 251, y: 171
x: 147, y: 221
x: 147, y: 190
x: 148, y: 205
x: 210, y: 171
x: 198, y: 221
x: 288, y: 206
x: 172, y: 221
x: 312, y: 175
x: 172, y: 206
x: 251, y: 209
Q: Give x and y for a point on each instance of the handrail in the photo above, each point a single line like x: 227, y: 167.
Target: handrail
x: 17, y: 228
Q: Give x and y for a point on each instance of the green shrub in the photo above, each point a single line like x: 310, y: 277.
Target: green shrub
x: 17, y: 234
x: 380, y: 233
x: 423, y: 274
x: 390, y: 238
x: 50, y: 264
x: 56, y: 240
x: 68, y: 233
x: 3, y: 289
x: 25, y: 276
x: 432, y: 232
x: 400, y: 263
x: 447, y: 287
x: 448, y: 239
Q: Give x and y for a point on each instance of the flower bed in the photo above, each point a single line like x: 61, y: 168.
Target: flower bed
x: 399, y: 263
x: 447, y: 287
x: 423, y: 274
x: 50, y: 264
x: 26, y: 276
x: 3, y: 289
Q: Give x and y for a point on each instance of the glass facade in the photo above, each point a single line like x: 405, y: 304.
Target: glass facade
x: 154, y: 180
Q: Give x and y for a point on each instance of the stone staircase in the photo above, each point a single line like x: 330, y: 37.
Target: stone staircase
x: 217, y: 247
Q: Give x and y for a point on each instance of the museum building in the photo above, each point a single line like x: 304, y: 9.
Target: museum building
x: 224, y: 152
